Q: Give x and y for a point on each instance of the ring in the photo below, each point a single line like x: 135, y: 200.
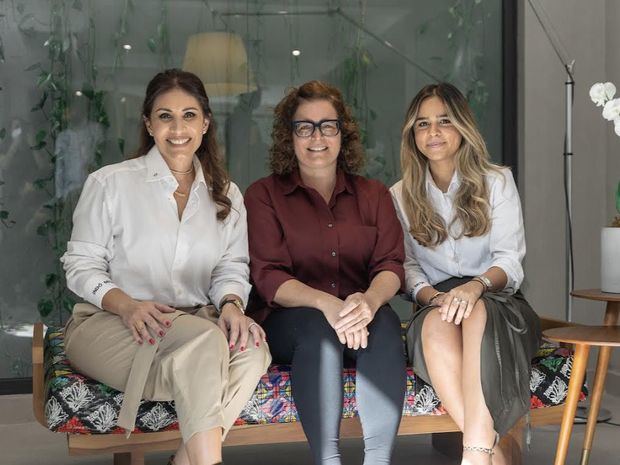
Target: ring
x: 139, y: 327
x: 457, y: 300
x: 252, y: 324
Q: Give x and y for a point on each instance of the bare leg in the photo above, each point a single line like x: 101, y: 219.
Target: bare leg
x: 478, y: 429
x: 443, y: 354
x: 204, y: 448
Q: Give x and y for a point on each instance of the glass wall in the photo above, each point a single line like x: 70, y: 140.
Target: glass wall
x: 73, y: 74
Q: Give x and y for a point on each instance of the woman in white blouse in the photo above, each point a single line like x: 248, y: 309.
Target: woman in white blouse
x: 155, y: 239
x: 475, y: 335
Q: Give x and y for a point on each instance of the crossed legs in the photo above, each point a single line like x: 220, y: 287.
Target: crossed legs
x: 452, y: 357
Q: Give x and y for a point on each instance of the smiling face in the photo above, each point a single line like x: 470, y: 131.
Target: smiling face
x: 317, y: 152
x: 177, y: 124
x: 435, y: 135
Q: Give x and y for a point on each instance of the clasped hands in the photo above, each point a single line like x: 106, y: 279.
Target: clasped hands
x: 351, y: 318
x: 147, y: 320
x: 458, y: 303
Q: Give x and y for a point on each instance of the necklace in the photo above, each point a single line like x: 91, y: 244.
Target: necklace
x: 182, y: 173
x: 180, y: 194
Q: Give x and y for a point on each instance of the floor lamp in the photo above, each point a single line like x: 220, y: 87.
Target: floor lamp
x: 569, y: 85
x: 569, y: 65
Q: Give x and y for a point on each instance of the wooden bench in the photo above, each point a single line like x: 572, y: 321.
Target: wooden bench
x: 446, y: 437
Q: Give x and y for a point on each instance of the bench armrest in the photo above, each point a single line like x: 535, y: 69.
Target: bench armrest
x: 38, y: 375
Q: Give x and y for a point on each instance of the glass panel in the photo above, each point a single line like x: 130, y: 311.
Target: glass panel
x: 73, y: 74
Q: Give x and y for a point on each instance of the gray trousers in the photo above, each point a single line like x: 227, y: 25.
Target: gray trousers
x: 191, y: 365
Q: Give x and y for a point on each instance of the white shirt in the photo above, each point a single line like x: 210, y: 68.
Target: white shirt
x: 503, y: 246
x: 127, y: 234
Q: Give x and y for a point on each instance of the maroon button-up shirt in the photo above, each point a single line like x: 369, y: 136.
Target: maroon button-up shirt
x: 337, y: 248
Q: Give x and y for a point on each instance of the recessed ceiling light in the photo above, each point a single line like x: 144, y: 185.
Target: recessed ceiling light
x: 127, y: 47
x: 296, y: 53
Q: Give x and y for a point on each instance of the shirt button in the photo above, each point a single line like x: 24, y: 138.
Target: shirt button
x: 330, y: 225
x: 333, y: 253
x: 333, y: 284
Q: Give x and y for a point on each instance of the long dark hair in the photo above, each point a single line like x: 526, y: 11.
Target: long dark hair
x: 208, y: 153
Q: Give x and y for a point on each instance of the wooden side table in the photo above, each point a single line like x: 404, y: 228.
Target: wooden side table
x: 612, y: 318
x: 583, y: 337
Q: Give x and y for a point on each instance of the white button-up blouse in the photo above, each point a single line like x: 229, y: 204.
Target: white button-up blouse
x: 127, y: 234
x: 503, y: 246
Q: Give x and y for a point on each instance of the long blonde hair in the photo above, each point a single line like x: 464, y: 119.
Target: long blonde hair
x: 472, y: 163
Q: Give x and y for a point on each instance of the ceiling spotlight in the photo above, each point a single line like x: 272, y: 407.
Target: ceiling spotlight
x: 78, y: 93
x: 296, y: 53
x: 127, y: 47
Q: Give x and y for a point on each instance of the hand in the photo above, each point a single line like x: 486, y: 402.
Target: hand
x: 356, y: 313
x: 357, y: 339
x: 458, y: 303
x: 237, y: 327
x: 146, y: 319
x: 331, y: 306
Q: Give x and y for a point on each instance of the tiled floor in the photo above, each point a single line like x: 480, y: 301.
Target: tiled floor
x: 25, y: 442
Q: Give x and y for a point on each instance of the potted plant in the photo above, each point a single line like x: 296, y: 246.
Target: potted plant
x: 602, y: 94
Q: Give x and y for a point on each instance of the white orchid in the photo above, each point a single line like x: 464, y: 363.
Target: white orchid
x: 603, y: 95
x: 611, y: 110
x: 602, y: 92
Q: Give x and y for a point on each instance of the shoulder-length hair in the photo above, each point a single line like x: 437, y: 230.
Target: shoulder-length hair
x: 208, y: 152
x: 282, y: 158
x: 472, y: 164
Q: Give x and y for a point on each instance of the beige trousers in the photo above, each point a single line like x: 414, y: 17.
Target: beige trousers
x: 191, y: 364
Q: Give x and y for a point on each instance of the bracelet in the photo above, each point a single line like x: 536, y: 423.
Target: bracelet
x: 486, y: 282
x: 236, y: 302
x: 435, y: 295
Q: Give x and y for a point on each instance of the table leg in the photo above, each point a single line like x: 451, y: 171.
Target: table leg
x: 612, y: 314
x: 595, y: 401
x: 580, y: 361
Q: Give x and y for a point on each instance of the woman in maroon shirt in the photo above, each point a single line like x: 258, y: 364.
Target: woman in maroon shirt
x: 326, y: 252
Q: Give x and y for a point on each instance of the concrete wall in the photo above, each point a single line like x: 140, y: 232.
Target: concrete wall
x: 589, y: 33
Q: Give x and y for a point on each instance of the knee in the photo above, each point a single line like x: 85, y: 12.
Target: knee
x: 477, y: 319
x: 436, y: 332
x: 258, y: 358
x: 385, y: 327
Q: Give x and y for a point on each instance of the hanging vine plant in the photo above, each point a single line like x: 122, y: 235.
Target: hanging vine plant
x: 53, y: 79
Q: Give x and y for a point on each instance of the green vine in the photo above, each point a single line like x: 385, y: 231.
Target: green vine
x: 53, y: 79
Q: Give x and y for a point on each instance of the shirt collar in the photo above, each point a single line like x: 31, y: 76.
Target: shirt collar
x: 455, y: 182
x: 290, y: 182
x: 157, y: 168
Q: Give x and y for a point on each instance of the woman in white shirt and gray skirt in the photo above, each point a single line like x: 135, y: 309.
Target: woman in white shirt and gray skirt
x: 155, y: 240
x: 475, y: 335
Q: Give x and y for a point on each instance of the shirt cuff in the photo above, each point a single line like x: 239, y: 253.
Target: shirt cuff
x: 417, y: 287
x: 269, y: 286
x: 238, y: 289
x: 96, y: 288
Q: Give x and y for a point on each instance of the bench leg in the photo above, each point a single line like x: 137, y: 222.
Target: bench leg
x: 129, y: 458
x: 449, y: 444
x: 512, y: 444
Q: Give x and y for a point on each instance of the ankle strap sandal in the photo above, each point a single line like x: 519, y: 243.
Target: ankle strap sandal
x: 484, y: 450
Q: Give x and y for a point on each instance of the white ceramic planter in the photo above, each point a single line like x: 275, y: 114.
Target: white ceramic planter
x: 610, y: 260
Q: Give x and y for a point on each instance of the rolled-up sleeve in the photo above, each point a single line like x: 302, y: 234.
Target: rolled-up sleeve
x: 270, y: 261
x: 231, y: 275
x: 86, y: 261
x: 507, y: 237
x: 389, y: 252
x: 415, y: 278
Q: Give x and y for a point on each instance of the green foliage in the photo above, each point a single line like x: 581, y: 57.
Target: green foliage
x: 618, y: 198
x: 53, y: 78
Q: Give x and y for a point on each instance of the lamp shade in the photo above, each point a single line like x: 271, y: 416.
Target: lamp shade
x: 219, y: 59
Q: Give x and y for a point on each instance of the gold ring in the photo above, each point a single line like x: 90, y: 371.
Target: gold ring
x: 252, y: 324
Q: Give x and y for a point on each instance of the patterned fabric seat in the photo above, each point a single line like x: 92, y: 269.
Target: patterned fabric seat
x: 79, y: 405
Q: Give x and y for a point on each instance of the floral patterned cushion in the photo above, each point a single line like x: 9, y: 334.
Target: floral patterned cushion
x: 79, y: 405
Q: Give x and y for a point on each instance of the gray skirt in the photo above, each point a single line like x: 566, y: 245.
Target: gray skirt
x: 511, y: 339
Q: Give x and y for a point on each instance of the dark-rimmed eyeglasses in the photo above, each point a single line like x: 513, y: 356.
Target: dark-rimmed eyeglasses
x: 327, y: 127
